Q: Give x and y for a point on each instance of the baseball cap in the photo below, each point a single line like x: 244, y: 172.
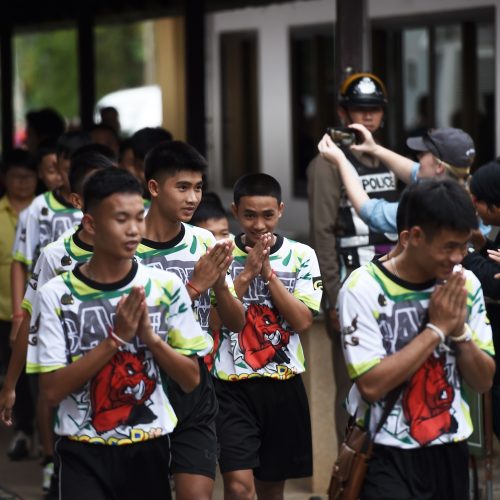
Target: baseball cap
x: 451, y: 145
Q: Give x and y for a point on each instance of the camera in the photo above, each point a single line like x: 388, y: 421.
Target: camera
x: 344, y: 136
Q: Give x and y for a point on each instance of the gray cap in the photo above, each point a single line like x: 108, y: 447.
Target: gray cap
x: 451, y: 145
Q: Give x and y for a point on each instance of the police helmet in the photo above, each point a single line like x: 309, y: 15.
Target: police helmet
x: 362, y: 89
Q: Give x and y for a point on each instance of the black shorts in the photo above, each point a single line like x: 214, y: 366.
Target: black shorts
x: 103, y: 472
x: 194, y: 440
x: 264, y: 425
x: 439, y: 472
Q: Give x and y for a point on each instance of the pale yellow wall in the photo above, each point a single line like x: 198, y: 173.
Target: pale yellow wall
x: 170, y: 71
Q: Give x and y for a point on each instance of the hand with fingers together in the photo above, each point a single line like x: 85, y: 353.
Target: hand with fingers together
x: 208, y: 269
x: 129, y: 311
x: 224, y: 265
x: 448, y: 305
x: 257, y: 256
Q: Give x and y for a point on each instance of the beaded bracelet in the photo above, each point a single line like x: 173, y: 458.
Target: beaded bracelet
x: 439, y: 333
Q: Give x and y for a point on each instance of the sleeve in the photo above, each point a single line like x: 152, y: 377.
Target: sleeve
x: 26, y: 250
x: 18, y: 248
x: 46, y: 345
x: 380, y: 215
x: 42, y: 273
x: 361, y: 336
x: 185, y: 334
x: 414, y: 172
x: 324, y: 198
x: 485, y: 270
x: 308, y: 287
x: 477, y: 320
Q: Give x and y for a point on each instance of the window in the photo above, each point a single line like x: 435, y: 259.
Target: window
x: 442, y: 76
x: 240, y: 117
x: 313, y: 95
x: 45, y: 75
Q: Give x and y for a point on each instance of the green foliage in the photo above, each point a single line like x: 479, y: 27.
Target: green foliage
x: 47, y: 72
x: 47, y: 68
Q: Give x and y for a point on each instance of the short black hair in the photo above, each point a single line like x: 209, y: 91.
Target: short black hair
x: 145, y: 139
x: 46, y: 122
x: 485, y: 184
x: 69, y: 142
x: 17, y: 158
x: 94, y: 147
x: 171, y: 157
x: 107, y: 128
x: 210, y: 207
x: 256, y: 185
x: 107, y: 182
x: 46, y: 147
x: 82, y: 164
x: 439, y: 204
x: 401, y: 219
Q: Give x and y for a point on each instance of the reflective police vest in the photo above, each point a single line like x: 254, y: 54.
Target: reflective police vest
x: 356, y: 244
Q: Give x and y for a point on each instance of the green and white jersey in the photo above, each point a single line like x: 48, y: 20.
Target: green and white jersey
x: 49, y: 216
x: 380, y: 314
x: 126, y: 401
x: 56, y: 258
x: 20, y: 234
x: 268, y: 346
x: 179, y: 256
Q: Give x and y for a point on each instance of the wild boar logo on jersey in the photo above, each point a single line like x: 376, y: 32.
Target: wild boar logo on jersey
x: 262, y: 339
x: 119, y: 391
x: 427, y: 401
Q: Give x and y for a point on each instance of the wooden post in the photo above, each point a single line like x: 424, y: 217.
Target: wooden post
x: 352, y: 38
x: 195, y: 73
x: 86, y: 69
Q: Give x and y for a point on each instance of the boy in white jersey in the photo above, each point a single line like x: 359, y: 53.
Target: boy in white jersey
x: 106, y: 333
x: 263, y: 423
x: 174, y: 172
x: 56, y: 258
x: 413, y: 325
x: 49, y: 216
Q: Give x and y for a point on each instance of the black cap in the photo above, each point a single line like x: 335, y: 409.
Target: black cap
x: 362, y: 89
x: 451, y: 145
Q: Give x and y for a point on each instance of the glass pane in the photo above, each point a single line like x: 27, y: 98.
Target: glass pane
x: 45, y: 67
x: 240, y: 118
x: 313, y: 95
x: 416, y: 81
x: 125, y: 75
x: 485, y: 139
x: 448, y: 83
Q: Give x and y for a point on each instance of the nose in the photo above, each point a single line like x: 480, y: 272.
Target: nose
x: 259, y: 224
x: 193, y: 196
x: 458, y: 254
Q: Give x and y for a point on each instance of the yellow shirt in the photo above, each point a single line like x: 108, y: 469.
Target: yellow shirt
x: 8, y: 221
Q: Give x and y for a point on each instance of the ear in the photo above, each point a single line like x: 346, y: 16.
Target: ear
x: 280, y: 209
x: 234, y: 210
x: 440, y: 169
x: 404, y: 237
x: 88, y: 223
x: 153, y: 188
x: 76, y: 201
x: 415, y: 236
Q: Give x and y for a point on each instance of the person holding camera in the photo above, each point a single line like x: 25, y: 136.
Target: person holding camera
x: 442, y: 153
x: 341, y: 239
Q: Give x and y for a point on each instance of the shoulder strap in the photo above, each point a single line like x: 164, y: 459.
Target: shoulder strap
x: 390, y: 401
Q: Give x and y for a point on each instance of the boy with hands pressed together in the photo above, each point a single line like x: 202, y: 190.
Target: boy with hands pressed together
x: 105, y: 333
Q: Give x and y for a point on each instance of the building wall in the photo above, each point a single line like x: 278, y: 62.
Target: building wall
x: 272, y: 24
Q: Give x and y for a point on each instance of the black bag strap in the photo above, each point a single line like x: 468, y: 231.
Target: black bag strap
x: 390, y: 401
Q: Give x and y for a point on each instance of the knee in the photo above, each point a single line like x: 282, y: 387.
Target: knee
x: 236, y: 489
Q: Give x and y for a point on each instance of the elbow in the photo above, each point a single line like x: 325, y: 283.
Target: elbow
x: 50, y: 396
x: 370, y: 392
x: 303, y: 324
x: 191, y: 382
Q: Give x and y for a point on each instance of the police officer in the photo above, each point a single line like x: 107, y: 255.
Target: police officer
x: 341, y: 239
